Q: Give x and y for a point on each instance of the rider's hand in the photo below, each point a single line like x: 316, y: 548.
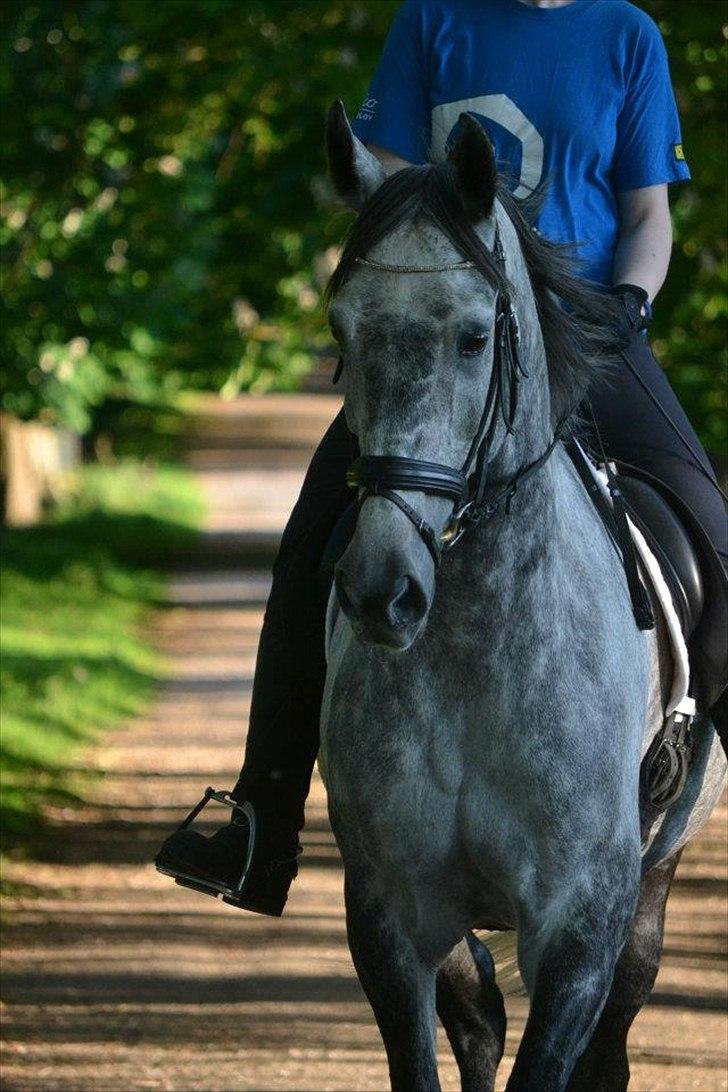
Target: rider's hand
x: 637, y: 311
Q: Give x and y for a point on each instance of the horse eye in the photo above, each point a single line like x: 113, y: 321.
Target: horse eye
x: 473, y: 344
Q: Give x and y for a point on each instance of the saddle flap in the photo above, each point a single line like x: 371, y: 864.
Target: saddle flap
x: 671, y: 544
x: 708, y: 644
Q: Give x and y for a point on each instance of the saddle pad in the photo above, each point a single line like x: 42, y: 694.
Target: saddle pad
x: 652, y: 575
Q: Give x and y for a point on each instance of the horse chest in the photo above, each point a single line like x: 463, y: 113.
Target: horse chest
x: 425, y: 830
x: 464, y: 768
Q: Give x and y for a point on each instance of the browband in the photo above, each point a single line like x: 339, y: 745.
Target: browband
x: 414, y: 268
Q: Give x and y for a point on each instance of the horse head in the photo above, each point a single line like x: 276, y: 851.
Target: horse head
x: 415, y: 311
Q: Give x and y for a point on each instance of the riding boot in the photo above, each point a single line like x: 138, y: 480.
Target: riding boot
x: 218, y: 864
x: 214, y: 866
x: 274, y: 783
x: 719, y: 709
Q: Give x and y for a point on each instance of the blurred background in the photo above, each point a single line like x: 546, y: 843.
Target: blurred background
x: 164, y: 233
x: 165, y: 376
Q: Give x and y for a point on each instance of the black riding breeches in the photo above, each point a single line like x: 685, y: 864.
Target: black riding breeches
x: 283, y: 732
x: 283, y: 735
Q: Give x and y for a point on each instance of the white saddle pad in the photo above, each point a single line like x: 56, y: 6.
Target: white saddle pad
x: 652, y: 576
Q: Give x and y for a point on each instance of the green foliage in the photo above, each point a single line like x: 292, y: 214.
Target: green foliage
x: 74, y: 602
x: 159, y: 224
x: 690, y: 323
x: 162, y: 226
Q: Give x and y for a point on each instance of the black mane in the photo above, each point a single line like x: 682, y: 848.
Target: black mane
x: 577, y: 319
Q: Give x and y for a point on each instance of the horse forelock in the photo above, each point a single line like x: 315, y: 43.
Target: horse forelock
x: 577, y: 319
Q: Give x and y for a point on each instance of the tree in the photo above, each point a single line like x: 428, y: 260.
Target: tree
x: 158, y: 224
x: 161, y: 223
x: 689, y: 329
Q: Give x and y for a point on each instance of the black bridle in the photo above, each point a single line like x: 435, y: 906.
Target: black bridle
x: 468, y: 488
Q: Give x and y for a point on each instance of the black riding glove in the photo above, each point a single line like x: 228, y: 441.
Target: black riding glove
x: 633, y: 299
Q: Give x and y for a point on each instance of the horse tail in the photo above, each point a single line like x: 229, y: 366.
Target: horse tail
x: 497, y: 956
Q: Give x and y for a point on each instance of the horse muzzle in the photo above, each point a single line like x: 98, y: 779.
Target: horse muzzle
x: 386, y: 606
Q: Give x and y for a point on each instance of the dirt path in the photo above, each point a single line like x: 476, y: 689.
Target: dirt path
x: 115, y: 979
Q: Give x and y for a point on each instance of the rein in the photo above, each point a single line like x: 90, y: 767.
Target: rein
x: 473, y: 500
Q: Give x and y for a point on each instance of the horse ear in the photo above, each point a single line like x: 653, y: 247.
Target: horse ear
x: 473, y: 159
x: 355, y: 172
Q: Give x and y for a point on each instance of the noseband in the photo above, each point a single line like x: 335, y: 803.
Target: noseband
x: 473, y: 501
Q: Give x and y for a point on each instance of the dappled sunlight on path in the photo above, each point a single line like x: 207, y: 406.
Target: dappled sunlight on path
x: 116, y: 979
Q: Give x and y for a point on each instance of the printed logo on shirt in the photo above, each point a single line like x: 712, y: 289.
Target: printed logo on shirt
x: 505, y: 114
x: 368, y: 110
x: 678, y: 150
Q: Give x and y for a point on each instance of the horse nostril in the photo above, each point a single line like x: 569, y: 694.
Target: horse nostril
x: 386, y: 612
x: 409, y: 603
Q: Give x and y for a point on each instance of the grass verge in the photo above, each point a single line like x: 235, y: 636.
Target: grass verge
x: 76, y: 597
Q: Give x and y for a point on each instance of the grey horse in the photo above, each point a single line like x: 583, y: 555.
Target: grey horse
x: 483, y: 722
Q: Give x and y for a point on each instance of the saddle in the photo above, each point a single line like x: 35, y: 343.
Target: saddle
x: 698, y: 588
x: 694, y: 573
x: 688, y: 561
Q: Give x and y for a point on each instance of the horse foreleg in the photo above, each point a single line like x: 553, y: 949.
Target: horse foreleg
x: 400, y: 988
x: 569, y: 968
x: 604, y: 1065
x: 471, y: 1009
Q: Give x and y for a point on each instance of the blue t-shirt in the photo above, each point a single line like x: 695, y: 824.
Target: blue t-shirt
x: 580, y: 95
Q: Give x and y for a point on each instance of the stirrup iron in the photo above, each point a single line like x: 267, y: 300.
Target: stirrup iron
x: 244, y: 812
x: 664, y: 768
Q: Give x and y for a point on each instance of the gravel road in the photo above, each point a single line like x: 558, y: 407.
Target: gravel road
x: 116, y: 979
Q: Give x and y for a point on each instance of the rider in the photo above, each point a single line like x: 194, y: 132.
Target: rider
x: 574, y: 91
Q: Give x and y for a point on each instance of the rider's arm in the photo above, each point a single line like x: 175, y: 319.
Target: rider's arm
x: 394, y: 120
x: 645, y: 239
x: 648, y: 156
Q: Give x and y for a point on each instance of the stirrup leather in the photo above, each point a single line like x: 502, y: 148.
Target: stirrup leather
x: 244, y: 812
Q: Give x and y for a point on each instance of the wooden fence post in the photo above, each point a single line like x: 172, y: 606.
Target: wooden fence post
x: 33, y: 459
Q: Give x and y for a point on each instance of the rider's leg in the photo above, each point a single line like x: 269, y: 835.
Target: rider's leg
x: 283, y: 732
x: 632, y: 429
